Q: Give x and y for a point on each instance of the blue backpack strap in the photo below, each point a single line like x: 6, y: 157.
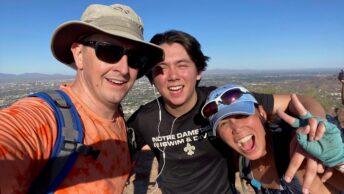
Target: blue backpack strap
x: 68, y: 142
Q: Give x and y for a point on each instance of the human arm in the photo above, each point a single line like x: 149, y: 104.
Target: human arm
x: 317, y: 186
x: 27, y: 134
x: 333, y: 185
x: 341, y: 79
x: 336, y: 181
x: 290, y: 104
x: 285, y: 104
x: 329, y: 149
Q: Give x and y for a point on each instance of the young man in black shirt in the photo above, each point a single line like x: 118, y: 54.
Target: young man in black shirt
x: 190, y: 161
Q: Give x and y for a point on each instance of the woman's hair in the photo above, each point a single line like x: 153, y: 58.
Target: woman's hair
x: 190, y: 44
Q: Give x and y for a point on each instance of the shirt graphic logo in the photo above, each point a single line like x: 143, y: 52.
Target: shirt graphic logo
x: 189, y: 149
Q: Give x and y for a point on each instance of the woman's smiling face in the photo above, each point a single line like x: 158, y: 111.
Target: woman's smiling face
x: 245, y: 134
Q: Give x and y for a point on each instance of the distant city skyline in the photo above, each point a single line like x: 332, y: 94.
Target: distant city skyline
x: 247, y: 34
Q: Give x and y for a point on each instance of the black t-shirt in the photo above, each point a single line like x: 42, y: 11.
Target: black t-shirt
x: 194, y: 162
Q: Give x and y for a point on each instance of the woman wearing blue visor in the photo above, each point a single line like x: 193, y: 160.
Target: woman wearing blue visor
x: 264, y: 143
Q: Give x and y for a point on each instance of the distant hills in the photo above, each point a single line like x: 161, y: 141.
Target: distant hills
x: 32, y: 77
x: 40, y: 76
x: 328, y: 71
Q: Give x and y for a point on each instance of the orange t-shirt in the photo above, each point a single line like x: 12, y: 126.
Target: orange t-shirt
x: 27, y: 135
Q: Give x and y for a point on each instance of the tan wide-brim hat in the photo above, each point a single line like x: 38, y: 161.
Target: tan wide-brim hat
x: 115, y: 20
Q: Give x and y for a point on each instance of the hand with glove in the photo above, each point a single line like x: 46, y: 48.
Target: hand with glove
x: 329, y: 149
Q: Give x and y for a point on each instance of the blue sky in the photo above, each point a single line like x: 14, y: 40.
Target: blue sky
x: 236, y: 34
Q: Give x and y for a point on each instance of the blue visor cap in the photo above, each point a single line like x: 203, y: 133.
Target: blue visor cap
x: 242, y: 106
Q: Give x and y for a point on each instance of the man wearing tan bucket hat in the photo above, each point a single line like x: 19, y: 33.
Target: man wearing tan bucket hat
x: 107, y: 50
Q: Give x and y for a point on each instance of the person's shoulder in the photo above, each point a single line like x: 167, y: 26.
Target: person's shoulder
x: 30, y: 103
x: 206, y: 89
x: 145, y: 110
x: 148, y: 107
x: 203, y: 92
x: 32, y: 110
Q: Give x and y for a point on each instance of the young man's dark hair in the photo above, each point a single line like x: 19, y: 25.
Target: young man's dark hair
x: 190, y: 44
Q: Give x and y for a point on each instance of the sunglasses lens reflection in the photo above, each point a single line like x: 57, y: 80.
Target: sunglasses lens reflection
x: 210, y: 109
x: 230, y: 96
x: 227, y: 98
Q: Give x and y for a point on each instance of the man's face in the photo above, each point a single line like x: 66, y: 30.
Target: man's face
x: 104, y: 83
x: 245, y: 134
x: 176, y: 78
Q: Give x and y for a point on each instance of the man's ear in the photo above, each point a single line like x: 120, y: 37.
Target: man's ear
x: 199, y: 76
x: 262, y: 112
x: 77, y: 55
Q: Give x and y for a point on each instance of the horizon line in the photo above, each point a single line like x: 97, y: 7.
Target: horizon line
x: 210, y: 69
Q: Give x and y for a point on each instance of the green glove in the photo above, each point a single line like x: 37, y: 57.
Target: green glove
x: 329, y: 149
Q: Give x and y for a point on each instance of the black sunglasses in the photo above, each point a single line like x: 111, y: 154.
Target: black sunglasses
x: 111, y: 53
x: 227, y: 97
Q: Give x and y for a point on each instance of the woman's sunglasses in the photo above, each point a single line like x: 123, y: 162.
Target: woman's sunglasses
x: 111, y: 53
x: 227, y: 97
